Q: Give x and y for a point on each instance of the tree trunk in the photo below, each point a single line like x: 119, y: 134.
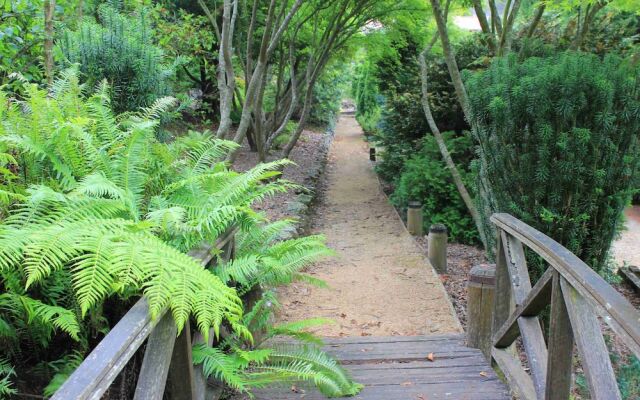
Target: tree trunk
x: 226, y: 75
x: 506, y: 38
x: 583, y: 30
x: 536, y: 20
x: 484, y: 24
x: 495, y: 18
x: 450, y: 59
x: 49, y: 11
x: 306, y: 109
x: 442, y: 146
x: 294, y: 98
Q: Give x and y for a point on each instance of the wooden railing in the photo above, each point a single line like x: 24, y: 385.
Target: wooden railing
x: 581, y: 302
x: 167, y: 356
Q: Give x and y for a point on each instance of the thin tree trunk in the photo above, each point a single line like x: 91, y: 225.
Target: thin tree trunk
x: 484, y: 24
x: 450, y: 59
x: 584, y: 28
x: 506, y: 37
x: 226, y: 76
x: 536, y: 20
x: 463, y: 99
x: 442, y: 146
x: 306, y: 109
x: 267, y: 47
x: 294, y: 98
x: 49, y: 11
x: 495, y: 18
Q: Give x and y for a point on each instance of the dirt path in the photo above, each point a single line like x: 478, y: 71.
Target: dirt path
x: 379, y: 283
x: 625, y: 249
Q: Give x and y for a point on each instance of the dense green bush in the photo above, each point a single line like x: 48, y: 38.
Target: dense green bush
x: 426, y: 178
x: 327, y: 95
x: 121, y: 50
x: 559, y: 143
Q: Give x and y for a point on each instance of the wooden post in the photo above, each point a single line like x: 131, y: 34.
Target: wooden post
x: 181, y: 372
x: 437, y: 247
x: 157, y: 356
x: 414, y: 218
x: 559, y: 361
x: 481, y: 290
x: 372, y: 153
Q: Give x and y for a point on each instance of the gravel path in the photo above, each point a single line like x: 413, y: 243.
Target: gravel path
x: 627, y: 247
x: 379, y: 282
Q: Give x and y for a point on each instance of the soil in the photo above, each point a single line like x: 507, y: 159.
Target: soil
x: 306, y: 155
x: 460, y: 259
x: 379, y: 282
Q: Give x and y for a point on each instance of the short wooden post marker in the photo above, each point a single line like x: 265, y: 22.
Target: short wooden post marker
x: 481, y: 290
x: 414, y: 218
x: 437, y: 247
x: 372, y: 153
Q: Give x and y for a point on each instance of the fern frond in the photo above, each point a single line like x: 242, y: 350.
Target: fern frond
x: 59, y: 317
x: 297, y: 329
x: 6, y: 373
x: 310, y: 363
x: 64, y: 368
x: 216, y: 363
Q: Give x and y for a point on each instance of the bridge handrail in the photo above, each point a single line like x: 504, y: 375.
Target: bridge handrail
x: 100, y: 368
x: 577, y: 294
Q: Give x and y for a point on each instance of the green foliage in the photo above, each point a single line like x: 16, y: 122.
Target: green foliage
x: 327, y: 95
x: 107, y: 211
x: 21, y: 36
x: 284, y: 137
x: 6, y: 373
x: 273, y: 362
x: 628, y: 376
x: 425, y: 178
x: 121, y: 50
x: 559, y: 144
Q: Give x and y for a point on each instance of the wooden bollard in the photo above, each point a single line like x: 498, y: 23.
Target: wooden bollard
x: 481, y: 290
x: 414, y: 218
x: 437, y: 247
x: 372, y: 153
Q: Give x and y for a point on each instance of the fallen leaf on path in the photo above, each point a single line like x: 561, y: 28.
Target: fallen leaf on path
x: 407, y: 383
x: 430, y: 357
x: 482, y: 373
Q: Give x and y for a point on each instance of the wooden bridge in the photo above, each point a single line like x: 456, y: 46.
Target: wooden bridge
x: 419, y: 367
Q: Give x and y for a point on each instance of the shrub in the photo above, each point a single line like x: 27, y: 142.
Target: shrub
x: 284, y: 137
x: 559, y: 143
x: 327, y: 95
x: 120, y: 49
x: 426, y: 178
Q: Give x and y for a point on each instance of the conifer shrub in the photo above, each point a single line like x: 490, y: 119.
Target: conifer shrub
x: 559, y: 144
x: 120, y: 49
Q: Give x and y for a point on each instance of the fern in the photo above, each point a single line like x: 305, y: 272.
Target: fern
x: 6, y: 373
x: 107, y: 210
x: 63, y: 369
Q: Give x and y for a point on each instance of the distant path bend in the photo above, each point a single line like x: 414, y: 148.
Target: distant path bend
x: 380, y: 283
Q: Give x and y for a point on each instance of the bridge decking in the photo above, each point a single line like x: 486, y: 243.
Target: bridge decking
x: 397, y: 368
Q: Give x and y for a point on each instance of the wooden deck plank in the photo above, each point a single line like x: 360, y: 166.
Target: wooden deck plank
x: 397, y: 368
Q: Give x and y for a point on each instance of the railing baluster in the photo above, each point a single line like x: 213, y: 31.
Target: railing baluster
x: 558, y: 386
x: 530, y: 329
x: 181, y: 372
x: 157, y: 357
x: 503, y: 303
x: 591, y: 346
